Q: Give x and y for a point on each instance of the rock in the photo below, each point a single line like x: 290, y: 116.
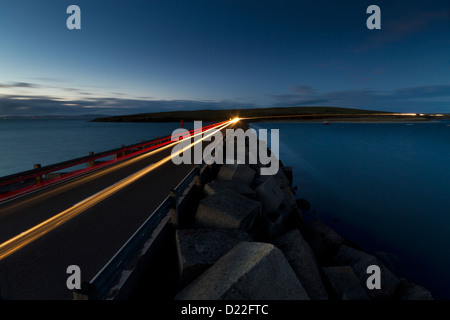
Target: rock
x: 288, y: 174
x: 321, y: 252
x: 302, y: 260
x: 198, y: 249
x: 236, y: 172
x: 218, y: 186
x: 410, y: 291
x: 266, y: 229
x: 281, y: 178
x: 360, y: 261
x: 330, y: 238
x: 249, y: 271
x: 390, y: 260
x: 303, y: 204
x: 345, y: 283
x: 227, y: 210
x: 289, y: 202
x: 270, y: 195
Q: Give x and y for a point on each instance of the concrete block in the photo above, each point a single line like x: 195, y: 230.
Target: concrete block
x: 281, y: 178
x: 360, y: 261
x: 218, y: 186
x: 301, y: 258
x: 345, y: 283
x: 303, y: 204
x: 270, y: 195
x: 390, y: 260
x: 321, y: 252
x: 264, y: 229
x: 331, y: 238
x: 288, y: 174
x: 227, y: 210
x: 198, y: 249
x: 410, y: 291
x: 249, y: 271
x: 289, y: 203
x: 236, y: 172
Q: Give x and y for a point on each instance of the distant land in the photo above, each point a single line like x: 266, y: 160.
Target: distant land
x: 58, y: 117
x: 275, y: 114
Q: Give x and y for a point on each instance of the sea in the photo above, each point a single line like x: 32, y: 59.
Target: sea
x: 385, y: 186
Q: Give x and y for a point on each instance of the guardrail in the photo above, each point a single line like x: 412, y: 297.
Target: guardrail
x: 108, y: 281
x: 27, y: 181
x: 115, y: 279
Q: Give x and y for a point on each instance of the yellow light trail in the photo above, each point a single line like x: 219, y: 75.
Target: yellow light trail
x: 16, y: 243
x: 103, y: 172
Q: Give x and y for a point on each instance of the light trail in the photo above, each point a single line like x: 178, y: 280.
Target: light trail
x: 16, y: 243
x: 96, y: 175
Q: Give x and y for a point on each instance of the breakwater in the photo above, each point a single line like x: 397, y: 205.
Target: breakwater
x: 249, y: 240
x: 231, y: 233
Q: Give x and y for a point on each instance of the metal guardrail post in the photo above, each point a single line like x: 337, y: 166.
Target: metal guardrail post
x: 119, y: 154
x: 39, y: 179
x: 91, y: 163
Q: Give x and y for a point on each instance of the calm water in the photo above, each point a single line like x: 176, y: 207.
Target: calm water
x: 27, y: 142
x: 386, y: 186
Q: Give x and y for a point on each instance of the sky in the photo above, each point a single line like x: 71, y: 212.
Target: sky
x: 167, y: 55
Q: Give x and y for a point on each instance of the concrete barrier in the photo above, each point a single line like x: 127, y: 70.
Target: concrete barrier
x: 236, y: 172
x: 199, y: 249
x: 345, y: 283
x: 227, y: 210
x: 250, y: 271
x: 410, y: 291
x: 270, y: 195
x: 218, y: 186
x: 283, y: 258
x: 302, y: 260
x: 360, y: 261
x: 330, y: 238
x: 289, y: 203
x: 281, y: 178
x: 321, y: 252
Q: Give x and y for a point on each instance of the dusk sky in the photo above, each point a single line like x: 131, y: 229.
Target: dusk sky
x: 149, y: 56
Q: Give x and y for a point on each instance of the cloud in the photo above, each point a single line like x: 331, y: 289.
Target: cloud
x: 431, y: 98
x: 302, y: 89
x: 16, y: 105
x: 19, y: 85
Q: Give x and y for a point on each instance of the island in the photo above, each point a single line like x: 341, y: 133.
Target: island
x: 322, y: 114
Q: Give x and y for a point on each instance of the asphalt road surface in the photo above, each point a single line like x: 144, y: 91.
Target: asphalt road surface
x: 90, y: 239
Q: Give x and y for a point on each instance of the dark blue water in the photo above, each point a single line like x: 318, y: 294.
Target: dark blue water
x: 24, y: 143
x: 385, y: 186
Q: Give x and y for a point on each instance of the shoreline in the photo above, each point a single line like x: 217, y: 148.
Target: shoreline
x: 348, y: 120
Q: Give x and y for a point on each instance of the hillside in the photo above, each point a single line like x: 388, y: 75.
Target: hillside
x: 291, y: 113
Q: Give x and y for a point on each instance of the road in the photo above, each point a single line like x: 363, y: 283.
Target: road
x: 89, y: 239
